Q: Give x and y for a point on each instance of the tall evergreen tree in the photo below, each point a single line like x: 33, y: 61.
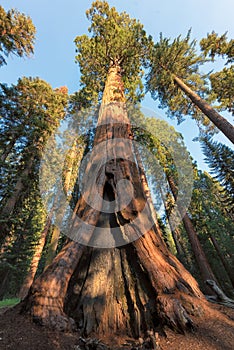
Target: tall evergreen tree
x: 31, y: 111
x: 220, y: 159
x: 17, y: 34
x: 222, y: 83
x: 214, y: 225
x: 175, y: 80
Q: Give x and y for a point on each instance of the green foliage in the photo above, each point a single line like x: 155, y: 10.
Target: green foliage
x: 17, y: 34
x: 177, y: 58
x: 223, y: 87
x: 220, y: 159
x: 214, y: 45
x: 222, y: 83
x: 116, y: 39
x: 30, y: 112
x: 210, y: 218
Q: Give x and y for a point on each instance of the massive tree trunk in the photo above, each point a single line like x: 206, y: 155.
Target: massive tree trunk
x: 133, y: 284
x: 220, y: 122
x: 199, y: 254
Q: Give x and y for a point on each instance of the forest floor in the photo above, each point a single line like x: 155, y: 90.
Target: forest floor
x: 215, y: 331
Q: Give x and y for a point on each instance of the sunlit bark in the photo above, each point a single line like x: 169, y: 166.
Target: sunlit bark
x: 127, y: 289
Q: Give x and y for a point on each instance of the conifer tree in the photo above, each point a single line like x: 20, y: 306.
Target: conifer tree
x: 215, y: 227
x: 17, y: 34
x: 222, y: 82
x: 31, y: 111
x: 175, y: 80
x: 220, y: 159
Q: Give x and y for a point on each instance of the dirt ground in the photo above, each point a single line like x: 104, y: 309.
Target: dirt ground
x: 213, y: 332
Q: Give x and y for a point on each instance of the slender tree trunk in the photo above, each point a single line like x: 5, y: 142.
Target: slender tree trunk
x: 199, y: 254
x: 226, y: 266
x: 12, y: 200
x: 176, y: 237
x: 52, y: 246
x: 145, y: 186
x: 35, y: 260
x: 175, y: 232
x: 133, y: 285
x: 69, y: 164
x: 220, y: 122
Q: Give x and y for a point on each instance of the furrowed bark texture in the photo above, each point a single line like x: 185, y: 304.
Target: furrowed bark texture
x: 135, y: 283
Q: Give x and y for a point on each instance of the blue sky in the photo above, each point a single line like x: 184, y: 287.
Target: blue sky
x: 59, y: 22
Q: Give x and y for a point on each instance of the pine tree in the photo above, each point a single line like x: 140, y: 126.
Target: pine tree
x: 175, y: 80
x: 214, y: 225
x: 220, y: 159
x: 31, y: 111
x: 222, y: 83
x: 17, y: 34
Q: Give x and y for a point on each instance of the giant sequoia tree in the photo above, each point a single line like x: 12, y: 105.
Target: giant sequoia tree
x: 134, y: 283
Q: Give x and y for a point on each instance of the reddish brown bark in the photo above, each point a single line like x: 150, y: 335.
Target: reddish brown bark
x: 175, y: 233
x: 123, y: 290
x: 19, y: 186
x: 220, y: 122
x: 52, y: 246
x: 199, y: 254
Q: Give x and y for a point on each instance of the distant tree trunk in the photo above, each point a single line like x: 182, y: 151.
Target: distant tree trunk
x: 124, y: 290
x: 19, y: 186
x: 52, y: 247
x: 35, y: 259
x: 145, y: 185
x: 69, y: 164
x: 176, y: 237
x: 175, y: 232
x: 220, y: 122
x: 199, y: 254
x: 226, y: 266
